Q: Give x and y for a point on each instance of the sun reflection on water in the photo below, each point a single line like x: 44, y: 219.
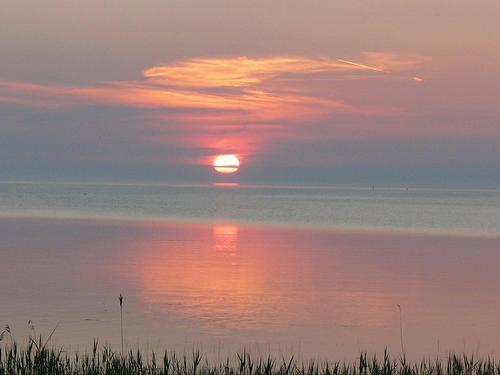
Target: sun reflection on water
x: 225, y: 238
x: 200, y: 283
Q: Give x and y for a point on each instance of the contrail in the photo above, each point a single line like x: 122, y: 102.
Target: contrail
x: 368, y: 67
x: 363, y: 66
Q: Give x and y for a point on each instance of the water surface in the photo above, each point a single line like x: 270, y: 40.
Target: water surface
x: 225, y: 286
x: 414, y: 210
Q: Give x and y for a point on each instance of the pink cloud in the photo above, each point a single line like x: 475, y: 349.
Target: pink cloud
x: 232, y: 104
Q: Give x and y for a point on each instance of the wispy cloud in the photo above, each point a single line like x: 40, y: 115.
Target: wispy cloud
x: 230, y: 104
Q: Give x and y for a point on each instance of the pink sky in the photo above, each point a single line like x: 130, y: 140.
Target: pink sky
x: 329, y: 85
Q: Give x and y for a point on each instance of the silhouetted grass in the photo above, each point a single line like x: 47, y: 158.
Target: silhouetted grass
x: 37, y: 358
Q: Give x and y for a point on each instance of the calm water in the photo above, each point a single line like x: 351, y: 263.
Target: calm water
x: 453, y: 211
x: 199, y: 269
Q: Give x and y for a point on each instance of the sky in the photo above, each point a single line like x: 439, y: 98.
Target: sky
x: 389, y: 92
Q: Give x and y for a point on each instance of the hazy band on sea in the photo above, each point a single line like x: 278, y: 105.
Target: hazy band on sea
x: 414, y: 210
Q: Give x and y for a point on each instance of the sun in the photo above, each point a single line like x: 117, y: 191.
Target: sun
x: 228, y: 163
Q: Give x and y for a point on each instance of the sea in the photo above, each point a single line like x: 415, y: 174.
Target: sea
x: 319, y: 272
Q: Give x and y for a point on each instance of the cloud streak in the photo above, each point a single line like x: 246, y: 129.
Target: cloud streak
x: 229, y: 104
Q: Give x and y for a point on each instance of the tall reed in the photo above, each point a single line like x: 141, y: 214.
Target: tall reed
x: 120, y: 298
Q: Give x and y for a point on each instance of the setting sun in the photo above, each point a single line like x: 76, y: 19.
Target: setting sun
x: 226, y: 163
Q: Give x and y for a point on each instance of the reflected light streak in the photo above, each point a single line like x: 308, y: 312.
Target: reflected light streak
x: 241, y: 278
x: 225, y: 238
x: 226, y: 184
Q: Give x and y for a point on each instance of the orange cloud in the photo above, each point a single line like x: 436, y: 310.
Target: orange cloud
x: 241, y: 101
x: 239, y: 72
